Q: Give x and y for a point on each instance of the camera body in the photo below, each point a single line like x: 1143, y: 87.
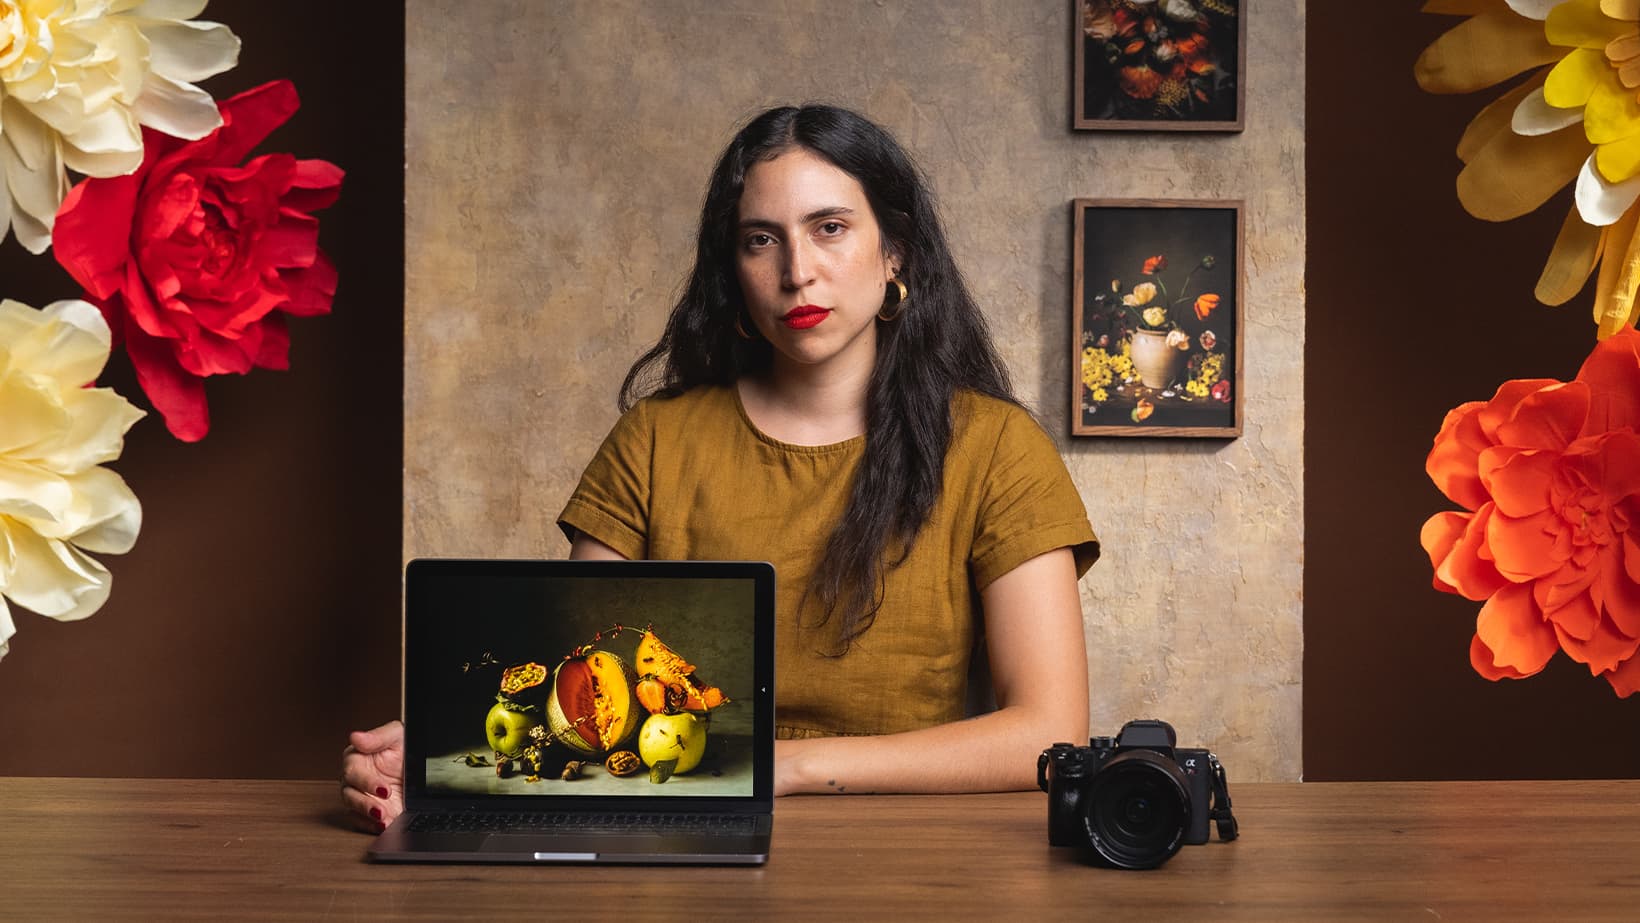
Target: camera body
x: 1131, y: 801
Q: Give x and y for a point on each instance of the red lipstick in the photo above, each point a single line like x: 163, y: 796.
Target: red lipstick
x: 804, y: 316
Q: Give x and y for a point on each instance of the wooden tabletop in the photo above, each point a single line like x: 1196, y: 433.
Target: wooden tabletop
x: 83, y: 848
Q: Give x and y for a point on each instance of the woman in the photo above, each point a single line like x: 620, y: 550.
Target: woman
x: 828, y: 399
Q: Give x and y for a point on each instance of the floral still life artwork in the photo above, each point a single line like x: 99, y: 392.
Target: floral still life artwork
x: 1548, y: 476
x: 1573, y: 120
x: 1157, y: 318
x: 58, y: 504
x: 1158, y: 65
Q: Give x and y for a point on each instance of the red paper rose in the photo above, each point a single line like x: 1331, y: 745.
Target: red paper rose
x: 195, y: 259
x: 1551, y: 474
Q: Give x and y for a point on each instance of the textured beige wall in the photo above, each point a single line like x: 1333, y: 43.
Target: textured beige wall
x: 557, y: 155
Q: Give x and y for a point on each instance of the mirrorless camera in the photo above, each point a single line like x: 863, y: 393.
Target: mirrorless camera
x: 1132, y: 800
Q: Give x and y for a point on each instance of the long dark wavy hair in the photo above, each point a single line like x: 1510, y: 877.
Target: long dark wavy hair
x: 937, y: 345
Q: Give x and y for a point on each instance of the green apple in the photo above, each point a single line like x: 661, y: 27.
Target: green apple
x: 680, y: 737
x: 508, y: 729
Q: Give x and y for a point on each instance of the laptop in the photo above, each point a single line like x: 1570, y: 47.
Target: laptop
x: 586, y: 712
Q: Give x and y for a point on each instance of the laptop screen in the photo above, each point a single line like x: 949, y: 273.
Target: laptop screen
x: 580, y: 679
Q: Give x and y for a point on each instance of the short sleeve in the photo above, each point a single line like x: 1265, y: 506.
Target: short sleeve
x: 1029, y: 505
x: 611, y: 503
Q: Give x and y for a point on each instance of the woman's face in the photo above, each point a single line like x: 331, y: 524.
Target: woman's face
x: 811, y: 262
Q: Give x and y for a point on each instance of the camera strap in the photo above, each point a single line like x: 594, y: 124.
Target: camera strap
x: 1221, y: 801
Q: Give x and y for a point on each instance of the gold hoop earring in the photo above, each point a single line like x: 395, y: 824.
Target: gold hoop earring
x: 899, y: 303
x: 742, y: 330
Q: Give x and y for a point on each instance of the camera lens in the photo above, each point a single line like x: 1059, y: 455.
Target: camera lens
x: 1137, y: 807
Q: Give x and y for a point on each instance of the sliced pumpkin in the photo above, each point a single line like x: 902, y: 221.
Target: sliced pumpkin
x: 670, y: 684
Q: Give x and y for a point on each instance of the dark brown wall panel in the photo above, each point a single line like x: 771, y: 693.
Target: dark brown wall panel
x: 256, y: 620
x: 1413, y: 308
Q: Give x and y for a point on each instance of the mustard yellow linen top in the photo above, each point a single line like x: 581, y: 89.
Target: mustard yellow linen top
x: 690, y: 477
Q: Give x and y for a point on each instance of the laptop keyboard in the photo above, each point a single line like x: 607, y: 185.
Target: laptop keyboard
x: 533, y: 822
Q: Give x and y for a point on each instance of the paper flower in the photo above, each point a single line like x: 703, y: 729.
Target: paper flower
x: 1577, y: 117
x: 1549, y: 473
x: 57, y: 502
x: 196, y: 259
x: 78, y: 78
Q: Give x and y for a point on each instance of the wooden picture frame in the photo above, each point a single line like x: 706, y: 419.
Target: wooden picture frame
x: 1157, y: 317
x: 1159, y: 65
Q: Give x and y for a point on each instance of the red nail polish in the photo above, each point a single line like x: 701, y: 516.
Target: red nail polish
x: 381, y: 791
x: 376, y: 813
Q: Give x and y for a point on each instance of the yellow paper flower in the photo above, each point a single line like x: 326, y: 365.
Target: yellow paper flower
x: 78, y: 79
x: 57, y: 502
x: 1577, y: 117
x: 1155, y: 317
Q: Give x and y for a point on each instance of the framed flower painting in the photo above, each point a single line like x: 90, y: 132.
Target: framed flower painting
x: 1157, y: 318
x: 1158, y: 65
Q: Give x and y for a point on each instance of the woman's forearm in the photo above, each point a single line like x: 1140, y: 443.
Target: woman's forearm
x: 988, y: 753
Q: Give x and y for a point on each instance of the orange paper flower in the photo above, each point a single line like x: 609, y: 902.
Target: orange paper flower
x: 1154, y: 265
x: 1549, y: 472
x: 1205, y: 305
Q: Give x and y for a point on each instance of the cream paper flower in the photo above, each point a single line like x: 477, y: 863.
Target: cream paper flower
x: 79, y: 79
x: 57, y: 502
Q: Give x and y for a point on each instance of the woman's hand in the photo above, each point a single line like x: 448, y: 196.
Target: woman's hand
x: 373, y: 776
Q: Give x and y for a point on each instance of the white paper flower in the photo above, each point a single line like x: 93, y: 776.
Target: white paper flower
x: 57, y: 502
x: 78, y: 79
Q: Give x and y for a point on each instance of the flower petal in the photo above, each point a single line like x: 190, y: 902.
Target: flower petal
x: 1534, y: 116
x: 1481, y: 51
x: 250, y: 116
x: 54, y: 579
x: 1501, y: 407
x: 1513, y: 630
x: 1625, y: 677
x: 1525, y: 549
x: 1612, y: 372
x: 1619, y: 593
x: 1600, y: 201
x: 1578, y: 617
x: 109, y: 514
x: 1612, y: 112
x: 1533, y: 9
x: 1548, y: 418
x: 1495, y: 116
x: 1572, y: 80
x: 1618, y: 160
x: 190, y: 51
x: 168, y: 9
x: 1452, y: 462
x: 1511, y: 175
x: 178, y: 396
x: 1621, y: 9
x: 67, y: 342
x: 1518, y: 480
x: 1580, y: 23
x: 91, y: 236
x: 1468, y: 568
x: 1571, y: 261
x: 1439, y: 536
x: 180, y: 110
x: 1602, y: 651
x: 7, y: 629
